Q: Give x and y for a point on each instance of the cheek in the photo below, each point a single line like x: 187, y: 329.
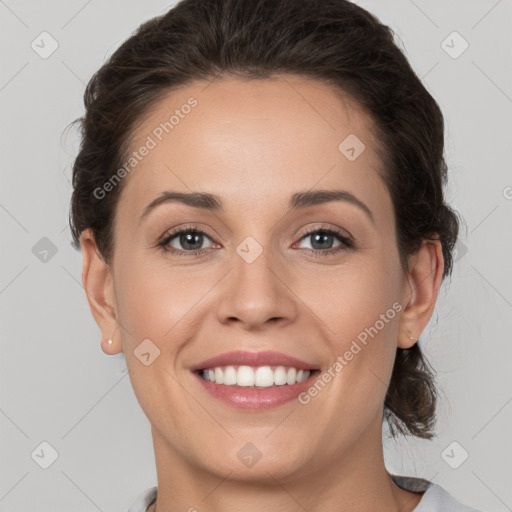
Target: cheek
x: 145, y: 303
x: 156, y: 305
x: 353, y: 297
x: 154, y: 297
x: 159, y: 302
x: 360, y: 309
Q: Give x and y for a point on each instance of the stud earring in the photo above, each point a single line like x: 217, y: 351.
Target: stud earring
x: 415, y: 339
x: 109, y: 343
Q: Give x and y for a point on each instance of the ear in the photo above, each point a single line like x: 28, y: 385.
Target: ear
x: 420, y: 291
x: 98, y: 283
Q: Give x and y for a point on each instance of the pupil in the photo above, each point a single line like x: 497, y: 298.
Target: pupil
x: 321, y: 236
x: 193, y: 238
x: 189, y: 239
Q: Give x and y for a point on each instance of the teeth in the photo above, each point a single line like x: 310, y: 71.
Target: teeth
x: 291, y: 376
x: 244, y: 376
x: 261, y: 376
x: 280, y: 376
x: 219, y: 376
x: 229, y: 376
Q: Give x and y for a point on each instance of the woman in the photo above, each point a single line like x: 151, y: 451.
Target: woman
x: 223, y: 144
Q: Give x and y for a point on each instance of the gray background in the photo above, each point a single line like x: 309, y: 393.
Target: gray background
x: 57, y: 386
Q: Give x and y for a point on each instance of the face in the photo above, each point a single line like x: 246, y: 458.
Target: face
x: 275, y: 269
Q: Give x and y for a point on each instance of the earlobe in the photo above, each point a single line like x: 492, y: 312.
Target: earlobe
x: 109, y: 347
x: 98, y: 284
x: 420, y: 292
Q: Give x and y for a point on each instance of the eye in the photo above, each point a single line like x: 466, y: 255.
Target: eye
x: 323, y: 238
x: 191, y: 240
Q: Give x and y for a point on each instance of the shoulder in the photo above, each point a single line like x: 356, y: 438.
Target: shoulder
x: 143, y: 500
x: 435, y: 497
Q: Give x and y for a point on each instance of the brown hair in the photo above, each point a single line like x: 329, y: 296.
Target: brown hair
x: 334, y: 41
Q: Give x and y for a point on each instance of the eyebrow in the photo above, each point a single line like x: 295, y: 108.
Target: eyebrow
x: 297, y: 201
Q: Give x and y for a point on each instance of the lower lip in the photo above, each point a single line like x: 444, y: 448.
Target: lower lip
x: 256, y: 398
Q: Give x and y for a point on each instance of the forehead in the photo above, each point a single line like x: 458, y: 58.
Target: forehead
x: 253, y: 142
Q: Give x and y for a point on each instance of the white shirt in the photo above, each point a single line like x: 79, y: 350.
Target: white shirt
x: 435, y: 499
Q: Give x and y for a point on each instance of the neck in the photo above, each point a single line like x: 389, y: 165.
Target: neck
x: 354, y: 481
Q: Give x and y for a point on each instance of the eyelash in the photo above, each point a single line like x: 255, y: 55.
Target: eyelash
x: 347, y: 242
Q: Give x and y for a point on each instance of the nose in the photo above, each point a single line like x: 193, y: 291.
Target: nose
x: 256, y: 293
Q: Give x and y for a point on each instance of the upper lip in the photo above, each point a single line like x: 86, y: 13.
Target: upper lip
x: 245, y: 358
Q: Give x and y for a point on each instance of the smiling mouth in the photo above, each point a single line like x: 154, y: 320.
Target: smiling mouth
x: 255, y: 376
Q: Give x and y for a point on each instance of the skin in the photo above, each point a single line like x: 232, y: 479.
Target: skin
x: 255, y: 143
